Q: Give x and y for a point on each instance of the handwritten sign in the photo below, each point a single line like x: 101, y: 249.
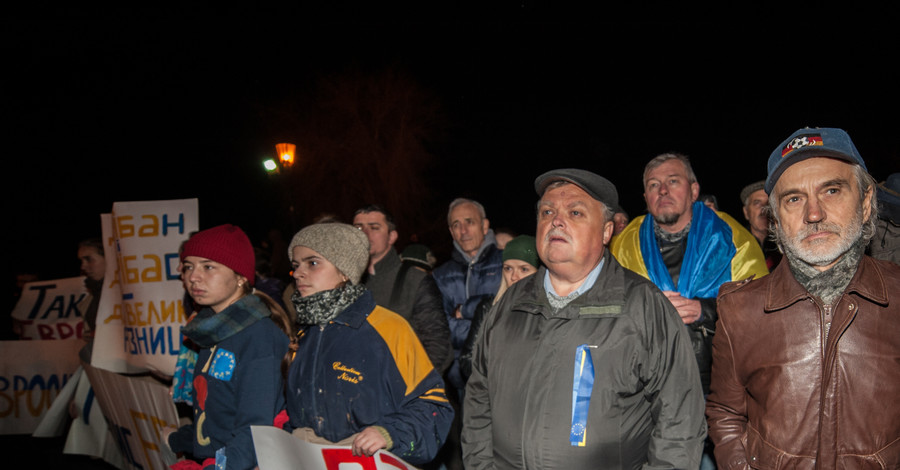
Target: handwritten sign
x: 277, y: 449
x: 148, y: 235
x: 32, y: 374
x: 51, y: 309
x: 136, y: 409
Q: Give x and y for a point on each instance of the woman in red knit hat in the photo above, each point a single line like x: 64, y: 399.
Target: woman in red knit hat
x: 238, y: 379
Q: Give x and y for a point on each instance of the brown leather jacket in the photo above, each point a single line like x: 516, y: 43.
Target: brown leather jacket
x: 783, y: 395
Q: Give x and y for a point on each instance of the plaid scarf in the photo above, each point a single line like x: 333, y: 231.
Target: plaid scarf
x: 322, y: 307
x: 208, y: 328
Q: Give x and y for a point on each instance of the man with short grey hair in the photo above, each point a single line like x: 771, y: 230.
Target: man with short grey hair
x: 805, y: 360
x: 584, y: 364
x: 687, y: 249
x: 471, y: 275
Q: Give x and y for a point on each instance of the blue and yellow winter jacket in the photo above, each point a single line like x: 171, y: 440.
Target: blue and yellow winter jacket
x: 368, y: 368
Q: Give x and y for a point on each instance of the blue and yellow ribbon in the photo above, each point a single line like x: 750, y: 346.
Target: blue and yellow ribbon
x: 582, y: 385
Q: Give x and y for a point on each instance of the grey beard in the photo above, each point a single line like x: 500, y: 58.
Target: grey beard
x: 827, y: 285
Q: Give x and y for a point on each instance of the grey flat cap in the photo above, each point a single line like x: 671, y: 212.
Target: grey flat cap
x: 597, y: 186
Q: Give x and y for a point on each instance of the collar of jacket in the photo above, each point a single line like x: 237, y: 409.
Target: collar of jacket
x: 390, y: 260
x: 487, y: 245
x: 605, y: 298
x: 783, y: 290
x: 355, y: 315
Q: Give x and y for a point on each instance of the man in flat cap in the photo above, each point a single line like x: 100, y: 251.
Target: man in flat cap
x: 756, y: 211
x: 806, y: 360
x: 584, y: 364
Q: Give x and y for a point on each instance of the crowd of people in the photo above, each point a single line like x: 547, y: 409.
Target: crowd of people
x: 680, y: 338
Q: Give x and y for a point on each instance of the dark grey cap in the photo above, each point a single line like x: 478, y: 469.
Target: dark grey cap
x: 597, y: 186
x: 750, y: 189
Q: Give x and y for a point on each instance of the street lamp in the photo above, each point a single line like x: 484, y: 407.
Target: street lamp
x: 280, y: 169
x: 286, y: 154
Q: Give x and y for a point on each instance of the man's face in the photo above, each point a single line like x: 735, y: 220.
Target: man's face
x: 468, y: 228
x: 571, y: 230
x: 669, y: 194
x: 755, y: 211
x: 375, y: 226
x: 820, y: 213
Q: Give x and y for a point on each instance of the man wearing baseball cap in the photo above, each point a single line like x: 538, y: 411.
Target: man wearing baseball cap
x: 583, y: 364
x: 806, y: 360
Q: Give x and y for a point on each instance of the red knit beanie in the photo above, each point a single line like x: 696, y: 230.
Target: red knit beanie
x: 226, y: 244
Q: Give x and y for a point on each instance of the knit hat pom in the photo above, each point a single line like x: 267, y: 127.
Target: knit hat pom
x: 226, y: 244
x: 344, y: 246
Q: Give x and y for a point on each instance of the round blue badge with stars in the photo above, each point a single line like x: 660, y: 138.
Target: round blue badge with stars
x: 223, y: 365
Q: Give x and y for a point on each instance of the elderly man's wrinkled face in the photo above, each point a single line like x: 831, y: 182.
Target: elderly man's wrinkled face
x: 571, y: 229
x: 669, y: 194
x: 819, y: 210
x: 468, y: 228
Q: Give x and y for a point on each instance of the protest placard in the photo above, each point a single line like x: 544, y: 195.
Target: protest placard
x: 279, y: 450
x: 32, y: 374
x: 49, y: 310
x: 148, y: 236
x: 137, y: 409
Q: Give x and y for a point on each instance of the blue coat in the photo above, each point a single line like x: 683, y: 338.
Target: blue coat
x: 237, y: 383
x: 466, y: 283
x: 368, y: 368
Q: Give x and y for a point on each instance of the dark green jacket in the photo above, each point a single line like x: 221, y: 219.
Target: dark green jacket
x: 646, y: 406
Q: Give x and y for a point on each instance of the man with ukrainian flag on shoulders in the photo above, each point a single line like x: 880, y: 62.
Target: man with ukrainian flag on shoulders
x: 687, y: 249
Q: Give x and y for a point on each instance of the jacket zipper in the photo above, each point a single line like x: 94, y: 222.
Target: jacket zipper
x: 827, y: 324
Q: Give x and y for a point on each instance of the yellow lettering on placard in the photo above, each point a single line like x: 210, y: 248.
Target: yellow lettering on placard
x: 132, y: 275
x: 156, y: 312
x: 124, y: 230
x: 116, y: 315
x: 151, y: 229
x: 154, y: 272
x: 148, y: 443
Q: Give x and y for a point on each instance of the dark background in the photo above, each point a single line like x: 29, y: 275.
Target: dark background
x: 158, y: 102
x: 144, y: 104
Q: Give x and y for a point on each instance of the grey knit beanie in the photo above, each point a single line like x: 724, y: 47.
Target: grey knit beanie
x: 344, y: 246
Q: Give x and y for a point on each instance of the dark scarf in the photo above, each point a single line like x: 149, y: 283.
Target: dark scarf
x: 827, y: 285
x: 669, y: 237
x: 209, y: 328
x: 708, y: 254
x: 322, y: 307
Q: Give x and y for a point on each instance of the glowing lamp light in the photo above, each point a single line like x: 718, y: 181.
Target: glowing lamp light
x: 286, y: 154
x: 270, y: 165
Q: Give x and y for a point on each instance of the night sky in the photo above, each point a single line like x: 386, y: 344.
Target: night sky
x: 140, y: 106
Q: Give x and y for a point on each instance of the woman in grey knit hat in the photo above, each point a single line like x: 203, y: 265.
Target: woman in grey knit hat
x: 360, y: 377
